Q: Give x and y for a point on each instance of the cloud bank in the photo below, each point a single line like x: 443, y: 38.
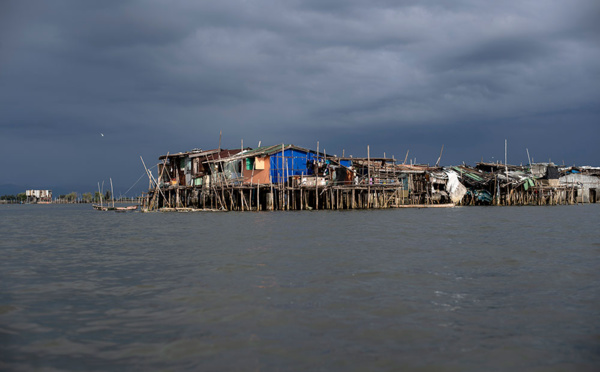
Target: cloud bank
x: 157, y: 76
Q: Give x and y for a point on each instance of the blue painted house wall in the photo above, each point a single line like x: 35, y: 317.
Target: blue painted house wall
x: 293, y: 163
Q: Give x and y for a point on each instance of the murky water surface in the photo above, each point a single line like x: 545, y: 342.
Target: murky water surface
x: 462, y: 289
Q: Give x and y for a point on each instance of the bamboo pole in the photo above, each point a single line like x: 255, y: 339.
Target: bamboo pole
x: 440, y: 157
x: 100, y: 192
x: 156, y: 192
x: 281, y: 175
x: 368, y: 175
x: 112, y: 193
x: 317, y: 180
x: 271, y: 199
x: 152, y: 179
x: 301, y: 196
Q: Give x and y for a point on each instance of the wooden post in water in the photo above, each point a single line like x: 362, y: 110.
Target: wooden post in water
x: 506, y: 169
x: 281, y: 175
x: 300, y: 185
x: 368, y: 176
x: 317, y: 180
x: 286, y: 186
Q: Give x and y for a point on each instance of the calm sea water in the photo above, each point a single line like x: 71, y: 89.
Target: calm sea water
x: 462, y: 289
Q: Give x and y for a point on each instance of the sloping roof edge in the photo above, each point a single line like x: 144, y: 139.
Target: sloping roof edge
x: 264, y: 150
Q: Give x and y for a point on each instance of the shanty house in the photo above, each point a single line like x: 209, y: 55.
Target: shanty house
x: 176, y: 169
x: 196, y: 168
x: 277, y: 163
x: 445, y: 186
x: 547, y: 174
x: 375, y: 170
x: 587, y: 187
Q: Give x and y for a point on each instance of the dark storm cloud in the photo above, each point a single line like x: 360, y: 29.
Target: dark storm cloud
x: 169, y: 76
x: 502, y: 51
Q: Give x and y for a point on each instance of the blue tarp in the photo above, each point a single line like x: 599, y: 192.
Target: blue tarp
x: 346, y: 163
x: 295, y: 163
x: 481, y: 195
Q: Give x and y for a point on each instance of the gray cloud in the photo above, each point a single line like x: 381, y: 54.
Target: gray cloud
x: 163, y: 77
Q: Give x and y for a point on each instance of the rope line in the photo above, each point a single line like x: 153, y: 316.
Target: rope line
x: 138, y: 180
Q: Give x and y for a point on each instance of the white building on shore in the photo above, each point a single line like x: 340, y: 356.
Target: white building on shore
x: 38, y: 196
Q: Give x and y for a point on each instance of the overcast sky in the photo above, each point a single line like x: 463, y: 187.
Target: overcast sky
x: 168, y: 76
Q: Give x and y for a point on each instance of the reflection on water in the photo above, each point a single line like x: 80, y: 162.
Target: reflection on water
x: 454, y: 289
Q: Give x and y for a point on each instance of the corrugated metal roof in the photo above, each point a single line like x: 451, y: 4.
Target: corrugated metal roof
x: 212, y: 154
x: 263, y: 150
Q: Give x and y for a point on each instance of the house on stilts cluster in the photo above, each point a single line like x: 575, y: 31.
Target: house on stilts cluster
x: 289, y: 177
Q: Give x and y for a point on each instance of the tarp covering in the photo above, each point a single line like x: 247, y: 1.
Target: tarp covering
x: 552, y: 173
x: 232, y: 170
x: 295, y: 162
x: 455, y: 189
x: 481, y: 196
x: 346, y: 163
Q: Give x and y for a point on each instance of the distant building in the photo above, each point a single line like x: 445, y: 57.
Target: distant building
x: 38, y: 196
